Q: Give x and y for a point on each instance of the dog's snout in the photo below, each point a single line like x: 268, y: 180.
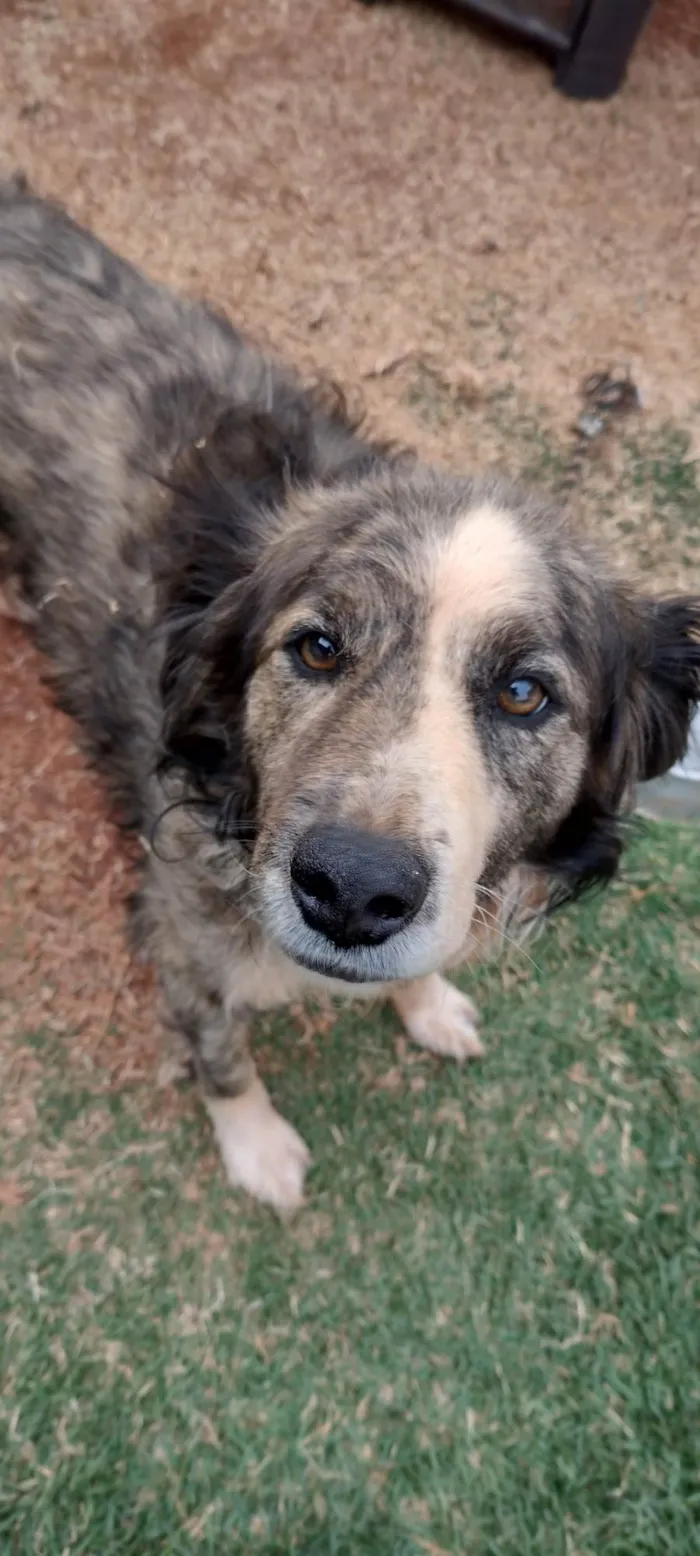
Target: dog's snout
x: 357, y: 888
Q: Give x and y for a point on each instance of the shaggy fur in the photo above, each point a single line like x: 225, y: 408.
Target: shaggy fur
x: 305, y: 666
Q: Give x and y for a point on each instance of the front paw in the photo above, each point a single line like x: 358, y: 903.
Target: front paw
x: 261, y: 1152
x: 439, y: 1017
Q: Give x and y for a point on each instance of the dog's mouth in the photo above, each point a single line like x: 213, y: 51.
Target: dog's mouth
x: 406, y: 957
x: 337, y: 969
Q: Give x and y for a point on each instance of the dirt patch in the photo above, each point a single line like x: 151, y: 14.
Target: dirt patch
x: 64, y: 965
x: 676, y: 23
x: 359, y: 187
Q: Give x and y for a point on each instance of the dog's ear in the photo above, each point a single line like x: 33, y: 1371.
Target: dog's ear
x: 649, y: 684
x: 267, y: 451
x: 245, y: 452
x: 653, y: 684
x: 225, y: 490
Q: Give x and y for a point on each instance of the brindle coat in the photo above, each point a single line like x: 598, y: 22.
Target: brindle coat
x: 183, y: 520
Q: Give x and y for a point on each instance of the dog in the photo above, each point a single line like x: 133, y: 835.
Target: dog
x: 347, y: 701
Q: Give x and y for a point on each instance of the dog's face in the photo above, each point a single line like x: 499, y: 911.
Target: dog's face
x: 414, y: 721
x: 431, y: 683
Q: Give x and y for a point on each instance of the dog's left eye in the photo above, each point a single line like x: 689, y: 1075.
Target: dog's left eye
x: 522, y: 697
x: 317, y: 653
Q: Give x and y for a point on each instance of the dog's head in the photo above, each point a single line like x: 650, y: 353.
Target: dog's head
x: 391, y: 687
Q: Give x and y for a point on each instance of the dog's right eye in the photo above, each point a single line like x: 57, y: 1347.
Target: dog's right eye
x: 316, y: 654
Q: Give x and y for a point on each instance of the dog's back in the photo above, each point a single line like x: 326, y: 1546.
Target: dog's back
x: 104, y: 378
x: 103, y: 375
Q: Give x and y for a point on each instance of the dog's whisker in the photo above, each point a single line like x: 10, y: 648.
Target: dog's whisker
x: 497, y: 927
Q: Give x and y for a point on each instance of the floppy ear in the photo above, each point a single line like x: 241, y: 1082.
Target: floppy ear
x: 263, y: 451
x: 649, y: 685
x: 226, y: 490
x: 647, y: 722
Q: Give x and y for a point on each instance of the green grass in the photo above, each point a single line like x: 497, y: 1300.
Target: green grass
x: 664, y: 482
x: 481, y: 1337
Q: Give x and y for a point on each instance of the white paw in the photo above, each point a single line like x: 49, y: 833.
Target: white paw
x: 439, y: 1017
x: 262, y: 1153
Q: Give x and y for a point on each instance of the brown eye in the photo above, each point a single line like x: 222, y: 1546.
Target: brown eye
x: 318, y: 653
x: 522, y: 697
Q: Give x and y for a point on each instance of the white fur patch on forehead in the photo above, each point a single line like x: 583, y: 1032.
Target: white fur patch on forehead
x: 487, y: 567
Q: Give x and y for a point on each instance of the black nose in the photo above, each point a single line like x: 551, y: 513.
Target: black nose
x: 356, y: 888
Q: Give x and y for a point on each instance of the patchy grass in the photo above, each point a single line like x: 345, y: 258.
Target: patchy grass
x: 638, y: 486
x: 480, y: 1338
x: 662, y: 485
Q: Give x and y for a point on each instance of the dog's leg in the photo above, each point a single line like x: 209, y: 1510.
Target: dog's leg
x: 437, y: 1016
x: 262, y: 1153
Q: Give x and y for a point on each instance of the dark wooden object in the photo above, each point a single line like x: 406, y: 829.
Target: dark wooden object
x: 591, y: 40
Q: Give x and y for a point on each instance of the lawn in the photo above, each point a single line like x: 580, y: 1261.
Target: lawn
x: 482, y: 1335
